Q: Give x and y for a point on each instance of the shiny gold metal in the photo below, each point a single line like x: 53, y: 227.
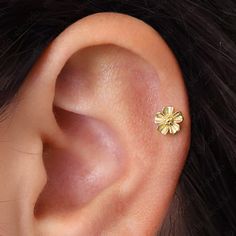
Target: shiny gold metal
x: 168, y: 120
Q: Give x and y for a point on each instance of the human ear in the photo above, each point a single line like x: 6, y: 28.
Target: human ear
x: 87, y: 108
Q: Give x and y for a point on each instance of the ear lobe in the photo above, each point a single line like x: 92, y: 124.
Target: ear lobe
x: 98, y: 94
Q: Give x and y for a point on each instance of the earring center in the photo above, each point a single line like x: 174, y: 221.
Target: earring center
x: 169, y: 121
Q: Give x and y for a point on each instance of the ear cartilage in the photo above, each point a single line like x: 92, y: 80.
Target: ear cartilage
x: 168, y: 120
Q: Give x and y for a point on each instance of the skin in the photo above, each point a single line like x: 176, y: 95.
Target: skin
x: 80, y: 153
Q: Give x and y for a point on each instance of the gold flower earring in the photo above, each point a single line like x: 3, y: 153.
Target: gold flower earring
x: 168, y: 120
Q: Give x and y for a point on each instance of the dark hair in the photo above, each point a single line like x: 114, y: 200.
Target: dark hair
x: 202, y: 34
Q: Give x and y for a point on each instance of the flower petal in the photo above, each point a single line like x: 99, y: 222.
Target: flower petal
x: 168, y: 110
x: 163, y: 129
x: 159, y: 118
x: 178, y: 117
x: 174, y: 128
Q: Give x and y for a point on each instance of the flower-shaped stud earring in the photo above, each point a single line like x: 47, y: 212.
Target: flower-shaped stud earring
x: 168, y: 120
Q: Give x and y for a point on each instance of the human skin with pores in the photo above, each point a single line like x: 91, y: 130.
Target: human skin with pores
x: 83, y: 153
